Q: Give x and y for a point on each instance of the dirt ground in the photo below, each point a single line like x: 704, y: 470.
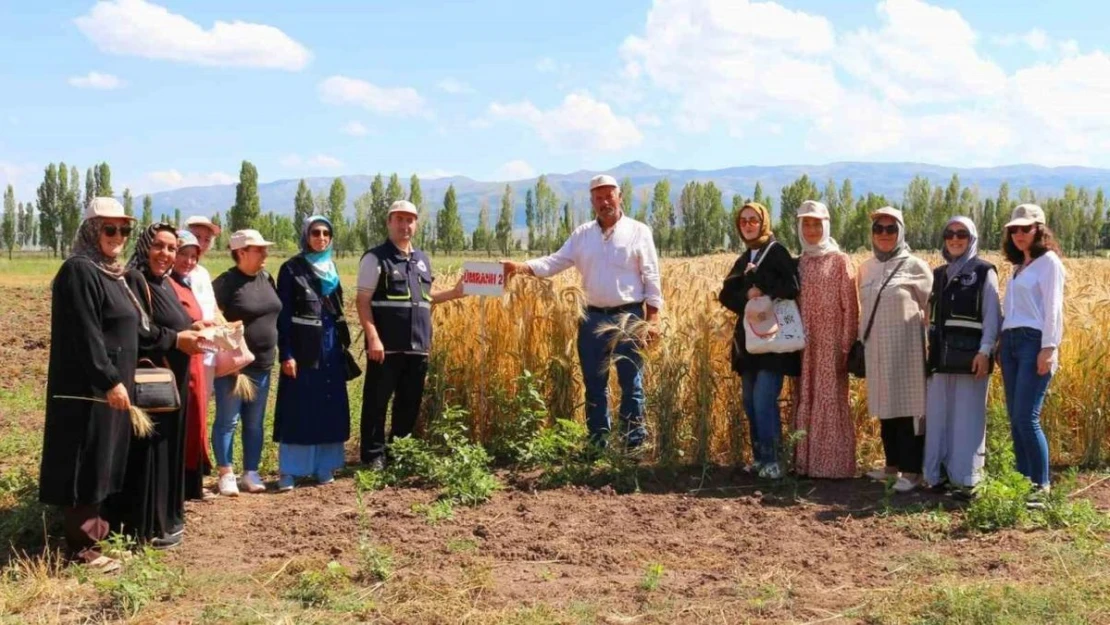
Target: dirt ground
x: 689, y: 547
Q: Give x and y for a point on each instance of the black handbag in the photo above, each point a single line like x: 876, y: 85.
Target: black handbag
x: 155, y: 389
x: 335, y: 303
x: 857, y: 363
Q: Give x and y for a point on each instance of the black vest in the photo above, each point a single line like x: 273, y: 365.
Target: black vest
x: 306, y: 330
x: 402, y: 302
x: 956, y: 317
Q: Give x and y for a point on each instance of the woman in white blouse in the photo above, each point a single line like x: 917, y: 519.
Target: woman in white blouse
x: 1031, y: 333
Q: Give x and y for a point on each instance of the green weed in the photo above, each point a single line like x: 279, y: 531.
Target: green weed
x: 653, y: 576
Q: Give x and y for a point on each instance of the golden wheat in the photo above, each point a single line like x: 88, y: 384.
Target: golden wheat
x: 693, y: 398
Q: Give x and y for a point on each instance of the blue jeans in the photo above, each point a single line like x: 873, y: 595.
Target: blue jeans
x: 761, y: 404
x: 1025, y: 393
x: 595, y: 355
x: 229, y: 409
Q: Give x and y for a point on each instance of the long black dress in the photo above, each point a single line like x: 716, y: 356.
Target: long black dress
x: 152, y: 503
x: 94, y: 346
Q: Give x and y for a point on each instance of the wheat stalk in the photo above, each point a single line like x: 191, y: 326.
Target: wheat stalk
x: 141, y: 423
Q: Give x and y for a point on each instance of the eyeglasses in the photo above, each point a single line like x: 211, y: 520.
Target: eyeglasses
x: 320, y: 232
x: 881, y: 229
x: 1021, y: 229
x: 956, y: 234
x: 752, y: 221
x: 111, y: 230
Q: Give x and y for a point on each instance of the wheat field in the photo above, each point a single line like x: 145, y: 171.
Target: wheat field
x: 694, y: 412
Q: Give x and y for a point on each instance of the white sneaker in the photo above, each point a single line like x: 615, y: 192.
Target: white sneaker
x: 880, y: 475
x: 252, y: 482
x: 904, y: 486
x: 227, y: 486
x: 771, y: 471
x: 753, y: 467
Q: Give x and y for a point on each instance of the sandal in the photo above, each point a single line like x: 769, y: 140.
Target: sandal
x: 103, y: 564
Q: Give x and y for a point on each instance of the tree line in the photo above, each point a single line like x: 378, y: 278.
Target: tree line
x: 694, y: 220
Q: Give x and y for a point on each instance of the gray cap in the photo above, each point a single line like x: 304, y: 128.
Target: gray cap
x: 1026, y: 215
x: 106, y: 207
x: 603, y: 181
x: 402, y: 206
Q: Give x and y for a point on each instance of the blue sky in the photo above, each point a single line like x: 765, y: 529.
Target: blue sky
x: 500, y: 90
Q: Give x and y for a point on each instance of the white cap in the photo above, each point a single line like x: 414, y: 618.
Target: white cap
x: 889, y: 211
x: 813, y: 209
x: 402, y: 206
x: 603, y: 181
x: 200, y: 220
x: 1025, y: 215
x: 107, y: 207
x: 185, y: 239
x: 246, y: 238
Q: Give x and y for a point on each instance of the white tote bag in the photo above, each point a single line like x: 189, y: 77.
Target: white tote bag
x: 781, y: 335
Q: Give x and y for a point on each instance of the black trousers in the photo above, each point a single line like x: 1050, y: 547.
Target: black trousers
x: 903, y: 448
x: 400, y: 378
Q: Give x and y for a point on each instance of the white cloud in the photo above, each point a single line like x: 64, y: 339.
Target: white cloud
x: 579, y: 124
x: 1036, y: 39
x: 398, y: 101
x: 515, y: 170
x: 96, y: 80
x: 547, y: 65
x: 650, y: 120
x: 173, y: 179
x: 355, y: 129
x: 432, y: 174
x: 922, y: 54
x: 455, y: 87
x: 320, y: 161
x: 143, y: 29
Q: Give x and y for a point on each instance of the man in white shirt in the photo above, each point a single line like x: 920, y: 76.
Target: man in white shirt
x: 620, y: 273
x: 201, y: 281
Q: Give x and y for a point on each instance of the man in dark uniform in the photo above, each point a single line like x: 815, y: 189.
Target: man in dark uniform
x: 395, y: 310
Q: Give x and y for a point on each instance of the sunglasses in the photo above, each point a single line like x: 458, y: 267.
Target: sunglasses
x: 111, y: 230
x: 956, y: 234
x: 1021, y: 229
x: 754, y: 221
x: 881, y: 229
x: 320, y: 232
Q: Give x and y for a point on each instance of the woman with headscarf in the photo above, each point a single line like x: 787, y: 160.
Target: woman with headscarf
x: 197, y: 463
x: 94, y: 347
x: 830, y: 310
x: 152, y: 504
x: 964, y: 321
x: 894, y: 288
x: 766, y: 268
x: 312, y: 417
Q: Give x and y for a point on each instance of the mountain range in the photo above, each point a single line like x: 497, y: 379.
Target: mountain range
x: 889, y: 179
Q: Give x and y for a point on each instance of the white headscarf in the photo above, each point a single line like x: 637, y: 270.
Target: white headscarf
x: 956, y: 265
x: 826, y: 245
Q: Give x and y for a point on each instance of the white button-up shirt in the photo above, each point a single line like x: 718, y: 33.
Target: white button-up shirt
x: 623, y: 269
x: 1035, y: 299
x: 201, y: 284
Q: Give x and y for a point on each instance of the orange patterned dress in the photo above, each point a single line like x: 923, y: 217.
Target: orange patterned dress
x: 830, y: 312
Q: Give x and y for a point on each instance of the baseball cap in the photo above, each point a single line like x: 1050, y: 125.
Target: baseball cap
x: 107, y: 207
x: 889, y: 211
x: 402, y: 206
x: 1026, y: 215
x: 813, y: 209
x: 246, y: 238
x: 200, y: 220
x: 185, y: 239
x: 603, y: 181
x: 760, y: 314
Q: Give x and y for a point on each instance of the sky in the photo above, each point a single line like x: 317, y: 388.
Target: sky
x: 175, y: 94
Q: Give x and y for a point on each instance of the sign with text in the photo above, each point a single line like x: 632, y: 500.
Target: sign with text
x: 483, y: 279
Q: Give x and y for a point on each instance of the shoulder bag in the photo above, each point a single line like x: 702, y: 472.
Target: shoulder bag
x: 857, y: 364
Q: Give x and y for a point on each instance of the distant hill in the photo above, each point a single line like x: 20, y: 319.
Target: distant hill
x: 889, y: 179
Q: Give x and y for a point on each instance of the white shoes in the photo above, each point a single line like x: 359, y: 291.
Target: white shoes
x: 227, y: 486
x: 252, y: 482
x: 880, y: 475
x: 771, y: 471
x: 904, y: 486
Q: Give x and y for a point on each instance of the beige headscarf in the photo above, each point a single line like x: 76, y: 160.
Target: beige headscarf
x: 765, y: 233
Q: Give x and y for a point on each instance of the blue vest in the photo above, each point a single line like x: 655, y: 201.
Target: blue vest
x: 956, y: 316
x: 402, y: 302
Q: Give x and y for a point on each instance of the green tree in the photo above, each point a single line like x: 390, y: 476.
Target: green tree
x: 362, y: 219
x: 394, y: 191
x: 1098, y: 220
x: 302, y: 205
x: 128, y: 202
x: 793, y: 195
x: 482, y: 238
x: 423, y: 224
x: 148, y: 212
x: 247, y: 208
x: 505, y: 221
x: 662, y: 215
x: 566, y: 223
x: 530, y: 219
x: 379, y: 210
x: 627, y: 195
x: 90, y: 185
x: 221, y: 241
x: 104, y: 180
x: 449, y: 230
x: 49, y: 218
x: 20, y: 234
x: 28, y: 233
x: 337, y: 203
x: 8, y: 229
x: 847, y: 204
x: 69, y: 210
